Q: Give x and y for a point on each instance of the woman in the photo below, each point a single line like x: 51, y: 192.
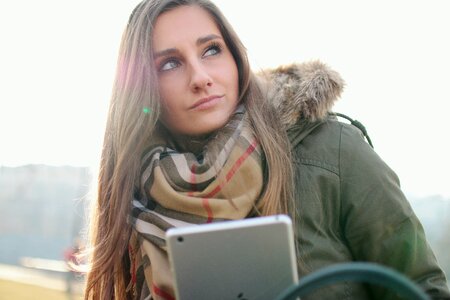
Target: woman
x: 194, y: 137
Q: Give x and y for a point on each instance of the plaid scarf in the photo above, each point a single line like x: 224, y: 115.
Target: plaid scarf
x: 181, y: 189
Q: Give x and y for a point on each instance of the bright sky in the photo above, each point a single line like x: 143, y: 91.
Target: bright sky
x: 57, y: 62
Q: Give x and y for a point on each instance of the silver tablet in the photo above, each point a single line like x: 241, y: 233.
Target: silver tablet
x: 244, y: 260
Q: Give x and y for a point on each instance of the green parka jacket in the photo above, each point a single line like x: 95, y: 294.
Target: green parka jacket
x: 349, y: 203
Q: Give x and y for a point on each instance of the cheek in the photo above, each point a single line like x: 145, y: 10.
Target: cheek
x: 234, y: 76
x: 171, y: 103
x: 168, y: 95
x: 172, y: 89
x: 235, y: 82
x: 231, y: 77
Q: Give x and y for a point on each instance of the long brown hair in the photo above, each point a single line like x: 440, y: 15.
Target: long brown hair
x: 133, y: 113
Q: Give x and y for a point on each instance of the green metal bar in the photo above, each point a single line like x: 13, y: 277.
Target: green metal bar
x: 359, y: 272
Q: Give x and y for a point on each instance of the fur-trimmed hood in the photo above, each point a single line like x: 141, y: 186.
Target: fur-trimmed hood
x: 302, y: 91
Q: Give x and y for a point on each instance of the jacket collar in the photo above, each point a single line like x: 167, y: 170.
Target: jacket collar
x: 302, y: 92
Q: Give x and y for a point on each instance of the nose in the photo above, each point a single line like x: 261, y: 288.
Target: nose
x: 200, y: 77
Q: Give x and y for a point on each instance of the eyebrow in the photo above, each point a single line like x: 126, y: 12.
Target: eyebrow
x: 200, y: 41
x: 205, y: 39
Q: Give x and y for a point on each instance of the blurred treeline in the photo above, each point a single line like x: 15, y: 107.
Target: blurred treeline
x: 43, y: 210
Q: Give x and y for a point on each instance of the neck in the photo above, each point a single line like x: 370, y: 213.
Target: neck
x: 194, y: 144
x: 187, y: 143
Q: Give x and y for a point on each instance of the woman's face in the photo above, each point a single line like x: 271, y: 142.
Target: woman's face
x: 197, y: 74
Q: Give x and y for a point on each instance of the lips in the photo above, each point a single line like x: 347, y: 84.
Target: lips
x: 206, y: 102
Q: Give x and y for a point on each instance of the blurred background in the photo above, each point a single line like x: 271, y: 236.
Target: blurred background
x: 57, y: 62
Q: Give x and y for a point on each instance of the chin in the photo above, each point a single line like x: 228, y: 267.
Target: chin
x: 206, y: 128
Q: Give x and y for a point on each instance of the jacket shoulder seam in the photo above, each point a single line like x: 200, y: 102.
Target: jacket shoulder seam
x: 340, y: 184
x: 320, y: 164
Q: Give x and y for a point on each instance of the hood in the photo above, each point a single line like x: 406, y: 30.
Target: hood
x: 304, y: 91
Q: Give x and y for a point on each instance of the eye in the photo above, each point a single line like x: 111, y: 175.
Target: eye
x: 212, y: 49
x: 169, y: 64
